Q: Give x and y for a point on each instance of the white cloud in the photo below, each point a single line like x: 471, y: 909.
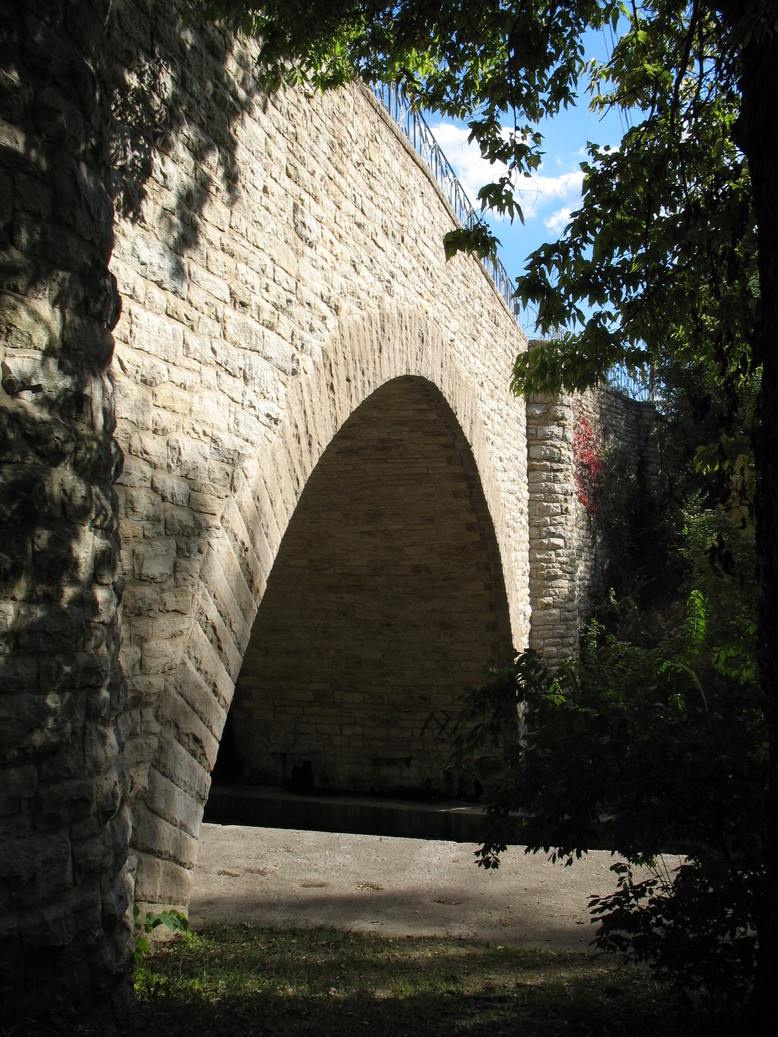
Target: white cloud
x: 535, y: 193
x: 542, y: 190
x: 471, y: 169
x: 558, y: 220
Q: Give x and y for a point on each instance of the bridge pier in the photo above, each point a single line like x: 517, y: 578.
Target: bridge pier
x: 64, y: 820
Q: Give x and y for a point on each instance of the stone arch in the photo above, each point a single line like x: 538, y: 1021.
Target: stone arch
x: 385, y: 600
x: 361, y: 357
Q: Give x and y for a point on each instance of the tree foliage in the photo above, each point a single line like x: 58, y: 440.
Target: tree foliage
x: 655, y: 748
x: 662, y: 252
x: 501, y: 67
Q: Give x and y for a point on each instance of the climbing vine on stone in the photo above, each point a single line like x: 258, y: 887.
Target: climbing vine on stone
x: 589, y: 466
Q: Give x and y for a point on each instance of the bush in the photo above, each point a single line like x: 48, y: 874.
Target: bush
x: 646, y: 750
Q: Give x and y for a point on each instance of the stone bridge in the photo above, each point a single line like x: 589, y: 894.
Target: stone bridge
x: 324, y: 493
x: 236, y: 310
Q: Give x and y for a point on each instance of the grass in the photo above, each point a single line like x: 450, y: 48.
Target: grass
x: 246, y: 980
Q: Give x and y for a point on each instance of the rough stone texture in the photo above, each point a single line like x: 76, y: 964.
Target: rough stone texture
x: 281, y: 260
x: 568, y: 545
x: 64, y: 822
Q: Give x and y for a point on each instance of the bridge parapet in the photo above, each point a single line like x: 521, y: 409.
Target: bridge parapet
x: 415, y: 127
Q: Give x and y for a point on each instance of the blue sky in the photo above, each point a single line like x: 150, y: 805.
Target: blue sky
x: 554, y: 191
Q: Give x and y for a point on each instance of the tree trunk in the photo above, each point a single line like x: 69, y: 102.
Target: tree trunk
x: 757, y: 134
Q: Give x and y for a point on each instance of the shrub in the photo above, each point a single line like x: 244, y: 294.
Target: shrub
x: 646, y: 750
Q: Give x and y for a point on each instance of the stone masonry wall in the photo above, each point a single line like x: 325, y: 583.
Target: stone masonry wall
x: 64, y: 821
x: 552, y: 528
x: 568, y: 540
x: 280, y: 259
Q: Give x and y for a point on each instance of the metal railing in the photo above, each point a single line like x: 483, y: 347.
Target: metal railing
x: 641, y: 389
x: 415, y: 128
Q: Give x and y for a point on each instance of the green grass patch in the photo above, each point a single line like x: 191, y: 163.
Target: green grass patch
x: 242, y: 980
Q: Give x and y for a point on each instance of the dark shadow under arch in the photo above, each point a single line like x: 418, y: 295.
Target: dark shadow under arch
x: 385, y: 600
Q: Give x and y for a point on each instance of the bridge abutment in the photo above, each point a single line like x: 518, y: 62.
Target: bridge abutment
x: 575, y: 444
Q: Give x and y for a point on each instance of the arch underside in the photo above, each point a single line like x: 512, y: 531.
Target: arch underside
x: 385, y: 601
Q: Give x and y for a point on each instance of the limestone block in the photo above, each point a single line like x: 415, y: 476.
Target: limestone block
x: 155, y: 335
x: 58, y: 925
x: 229, y: 450
x: 20, y: 781
x: 544, y: 453
x: 36, y: 868
x: 153, y: 560
x: 198, y: 342
x: 205, y: 662
x: 187, y: 572
x: 244, y: 550
x: 136, y: 472
x: 230, y: 356
x: 214, y: 286
x: 193, y: 689
x: 179, y: 599
x: 222, y: 594
x: 163, y: 421
x: 173, y: 489
x: 180, y: 521
x: 182, y: 313
x: 160, y: 883
x: 149, y: 447
x: 167, y: 626
x: 160, y: 657
x: 151, y: 831
x: 189, y: 730
x: 20, y: 674
x: 187, y: 458
x: 156, y: 262
x: 93, y: 856
x: 171, y: 407
x: 173, y: 804
x: 180, y: 767
x: 115, y: 901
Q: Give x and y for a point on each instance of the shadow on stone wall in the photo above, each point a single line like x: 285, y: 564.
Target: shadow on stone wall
x: 161, y: 67
x: 79, y: 131
x: 65, y: 826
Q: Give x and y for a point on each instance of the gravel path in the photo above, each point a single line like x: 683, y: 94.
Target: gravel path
x: 393, y: 886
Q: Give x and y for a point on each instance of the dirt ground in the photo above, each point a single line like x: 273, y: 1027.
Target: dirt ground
x: 393, y: 886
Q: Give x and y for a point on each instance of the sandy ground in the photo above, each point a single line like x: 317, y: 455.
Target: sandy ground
x: 393, y: 886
